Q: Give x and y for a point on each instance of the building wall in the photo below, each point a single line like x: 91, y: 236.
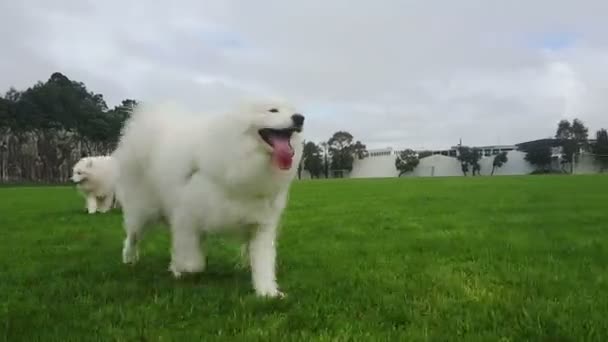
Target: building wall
x: 436, y: 165
x: 442, y: 166
x: 586, y: 164
x: 374, y: 166
x: 516, y: 165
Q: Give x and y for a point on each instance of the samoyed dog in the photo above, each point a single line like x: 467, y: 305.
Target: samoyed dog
x: 210, y: 174
x: 94, y: 178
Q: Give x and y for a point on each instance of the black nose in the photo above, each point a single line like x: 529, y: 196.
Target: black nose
x: 298, y: 120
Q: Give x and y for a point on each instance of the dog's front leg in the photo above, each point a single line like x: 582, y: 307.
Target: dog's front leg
x: 91, y: 204
x: 106, y: 203
x: 262, y: 255
x: 186, y: 254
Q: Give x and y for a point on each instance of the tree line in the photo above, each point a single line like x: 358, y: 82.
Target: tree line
x: 572, y: 139
x: 46, y: 128
x: 332, y: 157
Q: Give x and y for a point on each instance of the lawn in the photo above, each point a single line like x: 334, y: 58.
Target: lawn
x: 435, y: 259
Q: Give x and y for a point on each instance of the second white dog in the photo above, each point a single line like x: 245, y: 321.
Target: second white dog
x: 227, y: 173
x: 94, y: 178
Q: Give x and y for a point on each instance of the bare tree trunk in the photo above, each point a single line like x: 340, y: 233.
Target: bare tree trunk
x: 43, y: 155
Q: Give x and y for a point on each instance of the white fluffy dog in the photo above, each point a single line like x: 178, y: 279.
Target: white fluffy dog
x: 227, y: 173
x: 94, y: 178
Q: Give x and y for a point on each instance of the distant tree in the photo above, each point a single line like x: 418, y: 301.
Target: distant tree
x: 343, y: 150
x: 406, y: 161
x: 474, y: 161
x: 340, y: 151
x: 600, y: 149
x: 572, y: 137
x: 579, y: 131
x: 326, y: 165
x: 565, y: 135
x: 464, y: 157
x: 6, y: 116
x: 469, y: 159
x: 564, y: 130
x: 58, y: 105
x: 313, y: 161
x: 12, y: 95
x: 123, y: 111
x: 539, y: 155
x: 569, y: 150
x: 359, y: 150
x: 499, y: 160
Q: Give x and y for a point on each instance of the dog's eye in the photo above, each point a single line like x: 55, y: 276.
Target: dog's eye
x: 273, y: 110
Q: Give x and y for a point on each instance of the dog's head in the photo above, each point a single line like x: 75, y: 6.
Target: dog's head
x: 278, y: 127
x: 82, y: 170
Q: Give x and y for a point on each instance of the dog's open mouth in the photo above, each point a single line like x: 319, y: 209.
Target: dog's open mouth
x: 279, y: 140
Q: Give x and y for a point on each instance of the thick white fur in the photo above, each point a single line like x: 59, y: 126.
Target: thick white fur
x: 204, y: 174
x: 94, y: 178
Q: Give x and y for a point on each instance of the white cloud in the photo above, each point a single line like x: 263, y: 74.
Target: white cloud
x: 393, y: 72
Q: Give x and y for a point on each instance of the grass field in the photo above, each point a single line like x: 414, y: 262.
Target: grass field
x: 475, y: 259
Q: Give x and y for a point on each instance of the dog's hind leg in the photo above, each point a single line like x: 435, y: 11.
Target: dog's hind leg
x: 186, y: 253
x: 134, y: 225
x: 91, y: 204
x: 106, y: 203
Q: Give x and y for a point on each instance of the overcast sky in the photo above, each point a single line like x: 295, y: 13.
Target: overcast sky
x: 398, y: 73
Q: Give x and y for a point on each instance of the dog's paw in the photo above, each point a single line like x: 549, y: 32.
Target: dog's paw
x: 130, y: 256
x: 182, y: 270
x: 270, y: 293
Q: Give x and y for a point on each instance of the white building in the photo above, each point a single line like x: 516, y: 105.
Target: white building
x: 380, y: 163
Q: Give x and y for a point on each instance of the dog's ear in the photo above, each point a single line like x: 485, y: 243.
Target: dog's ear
x: 90, y: 163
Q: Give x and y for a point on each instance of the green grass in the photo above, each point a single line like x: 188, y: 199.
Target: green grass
x: 437, y: 259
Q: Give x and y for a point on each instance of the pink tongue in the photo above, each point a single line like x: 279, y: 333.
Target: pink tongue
x: 282, y: 153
